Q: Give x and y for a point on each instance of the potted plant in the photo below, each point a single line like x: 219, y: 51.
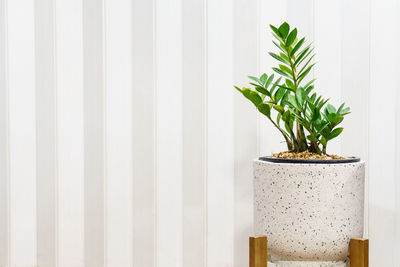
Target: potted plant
x: 307, y: 202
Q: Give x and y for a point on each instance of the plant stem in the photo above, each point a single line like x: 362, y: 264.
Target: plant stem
x: 301, y: 138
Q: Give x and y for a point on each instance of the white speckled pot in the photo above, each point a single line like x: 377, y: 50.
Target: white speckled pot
x: 309, y: 211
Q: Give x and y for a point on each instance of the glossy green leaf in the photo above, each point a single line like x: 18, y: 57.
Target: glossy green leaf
x: 335, y: 133
x: 338, y: 119
x: 237, y: 88
x: 292, y: 36
x: 301, y: 55
x: 252, y: 96
x: 323, y: 141
x: 280, y: 47
x: 312, y: 138
x: 279, y: 93
x: 281, y: 72
x: 330, y: 109
x: 255, y: 79
x: 297, y: 46
x: 278, y: 58
x: 278, y: 108
x: 264, y: 109
x: 292, y: 100
x: 275, y: 30
x: 300, y: 95
x: 274, y: 85
x: 268, y: 82
x: 263, y: 78
x: 284, y: 29
x: 285, y: 69
x: 262, y: 90
x: 286, y: 116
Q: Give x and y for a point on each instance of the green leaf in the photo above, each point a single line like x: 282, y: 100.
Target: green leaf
x: 340, y: 108
x: 286, y: 116
x: 278, y: 108
x: 287, y: 127
x: 279, y: 93
x: 297, y: 46
x: 263, y: 78
x: 312, y: 98
x: 275, y: 84
x: 284, y: 99
x: 330, y: 109
x: 309, y: 83
x: 278, y: 58
x: 237, y: 88
x: 303, y: 74
x: 284, y: 29
x: 289, y: 83
x: 306, y: 56
x: 323, y: 141
x: 264, y: 109
x: 255, y: 79
x: 345, y: 111
x: 262, y: 90
x: 280, y: 48
x: 285, y: 69
x: 275, y: 30
x: 285, y: 57
x: 268, y: 82
x: 312, y: 138
x: 292, y: 36
x: 316, y: 114
x: 300, y: 96
x: 293, y: 102
x: 335, y: 133
x: 305, y: 65
x: 301, y: 55
x: 278, y: 118
x: 331, y: 116
x: 252, y: 96
x: 309, y: 89
x: 338, y: 119
x: 279, y: 71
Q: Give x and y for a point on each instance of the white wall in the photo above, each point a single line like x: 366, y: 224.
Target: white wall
x: 123, y: 143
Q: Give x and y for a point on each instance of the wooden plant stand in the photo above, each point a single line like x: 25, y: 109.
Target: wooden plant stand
x: 358, y: 250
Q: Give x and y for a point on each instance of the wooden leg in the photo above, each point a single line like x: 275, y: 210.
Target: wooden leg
x: 258, y: 251
x: 358, y: 252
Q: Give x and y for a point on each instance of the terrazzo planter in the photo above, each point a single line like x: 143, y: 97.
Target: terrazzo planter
x: 309, y: 211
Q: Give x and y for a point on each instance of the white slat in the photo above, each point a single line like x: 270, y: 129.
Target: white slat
x: 328, y: 49
x: 383, y: 156
x: 246, y: 146
x: 119, y: 133
x: 4, y: 160
x: 143, y: 133
x: 169, y: 133
x: 356, y: 83
x: 220, y: 183
x: 21, y: 70
x: 46, y: 134
x: 94, y: 133
x: 70, y: 132
x: 194, y: 133
x: 275, y: 13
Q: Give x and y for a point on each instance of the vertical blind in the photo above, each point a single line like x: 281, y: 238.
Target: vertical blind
x: 123, y: 143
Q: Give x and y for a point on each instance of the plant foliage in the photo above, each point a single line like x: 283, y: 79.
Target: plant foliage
x: 287, y: 98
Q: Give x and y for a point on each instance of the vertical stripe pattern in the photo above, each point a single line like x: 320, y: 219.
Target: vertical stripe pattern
x: 123, y: 142
x: 46, y: 134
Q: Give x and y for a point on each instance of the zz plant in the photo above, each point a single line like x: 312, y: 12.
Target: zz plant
x: 306, y: 120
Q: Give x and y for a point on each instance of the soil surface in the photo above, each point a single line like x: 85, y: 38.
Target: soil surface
x: 304, y: 155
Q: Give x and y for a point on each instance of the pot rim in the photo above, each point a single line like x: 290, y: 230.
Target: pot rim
x: 310, y: 161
